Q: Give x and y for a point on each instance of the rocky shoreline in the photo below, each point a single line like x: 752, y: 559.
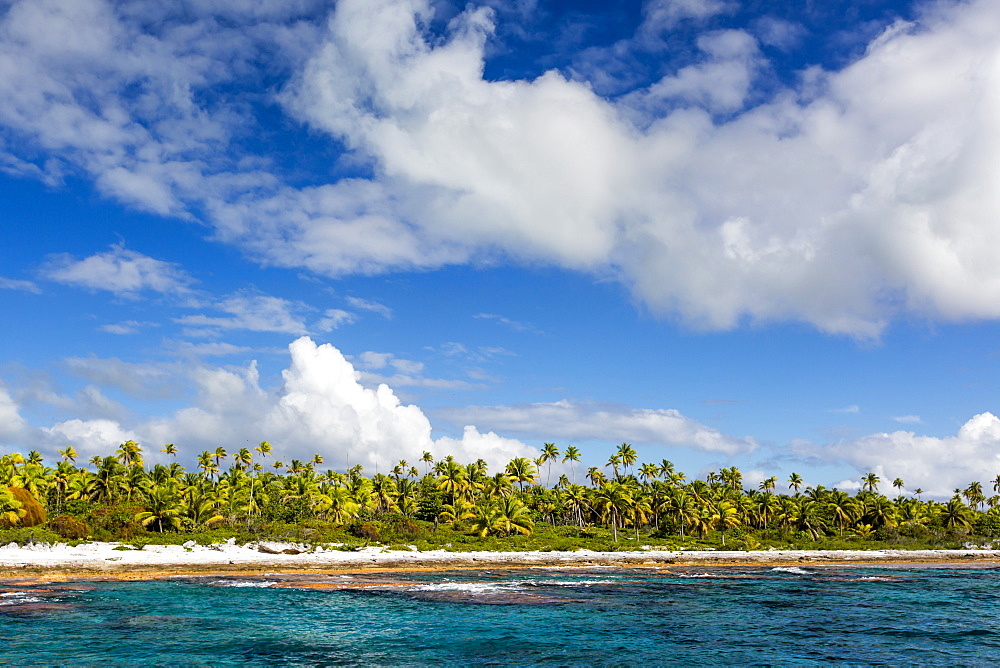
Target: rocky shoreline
x: 125, y: 562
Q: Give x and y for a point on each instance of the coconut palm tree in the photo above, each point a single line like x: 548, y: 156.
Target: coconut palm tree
x: 521, y: 471
x: 129, y: 452
x: 724, y: 516
x: 628, y: 456
x: 170, y: 449
x: 613, y: 501
x: 572, y: 455
x: 453, y: 480
x: 870, y: 481
x: 899, y: 485
x: 955, y: 514
x: 549, y: 454
x: 794, y: 482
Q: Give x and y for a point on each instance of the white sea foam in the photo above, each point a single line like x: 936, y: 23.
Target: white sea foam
x: 791, y: 569
x: 242, y: 583
x: 18, y: 599
x: 474, y: 588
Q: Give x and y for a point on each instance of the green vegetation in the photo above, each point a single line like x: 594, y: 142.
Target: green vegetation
x: 461, y: 507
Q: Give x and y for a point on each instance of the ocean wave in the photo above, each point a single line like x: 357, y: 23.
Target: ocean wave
x: 791, y: 569
x: 242, y: 583
x: 16, y: 599
x: 474, y: 588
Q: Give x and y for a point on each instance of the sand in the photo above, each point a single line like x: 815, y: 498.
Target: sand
x: 112, y: 560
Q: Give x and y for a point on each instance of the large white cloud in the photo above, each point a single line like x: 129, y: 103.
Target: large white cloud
x: 845, y: 201
x: 320, y: 408
x: 936, y: 465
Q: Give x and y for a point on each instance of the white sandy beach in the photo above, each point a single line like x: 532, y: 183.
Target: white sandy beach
x: 103, y: 560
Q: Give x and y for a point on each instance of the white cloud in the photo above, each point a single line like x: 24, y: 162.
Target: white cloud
x: 99, y: 437
x: 907, y: 419
x: 321, y: 407
x: 570, y: 421
x: 661, y: 15
x: 845, y: 201
x: 126, y: 327
x: 17, y: 284
x: 119, y: 270
x: 12, y: 425
x: 257, y: 313
x: 720, y: 84
x: 368, y: 305
x: 937, y: 465
x: 334, y: 318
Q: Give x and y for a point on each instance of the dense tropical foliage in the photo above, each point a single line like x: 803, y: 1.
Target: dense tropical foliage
x: 251, y: 493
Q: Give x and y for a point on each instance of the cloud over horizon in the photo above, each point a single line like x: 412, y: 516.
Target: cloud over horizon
x: 321, y: 407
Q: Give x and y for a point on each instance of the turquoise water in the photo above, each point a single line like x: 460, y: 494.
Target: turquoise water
x: 581, y: 616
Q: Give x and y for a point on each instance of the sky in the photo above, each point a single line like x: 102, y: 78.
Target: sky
x: 752, y: 234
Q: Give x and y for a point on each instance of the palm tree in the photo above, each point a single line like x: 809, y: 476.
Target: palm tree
x: 795, y: 481
x: 954, y: 514
x: 871, y: 481
x: 974, y: 494
x: 627, y: 455
x: 503, y: 517
x: 129, y: 452
x: 572, y: 455
x: 614, y: 461
x: 242, y: 459
x: 428, y: 459
x: 724, y: 516
x: 899, y: 485
x: 768, y: 484
x: 170, y: 449
x: 453, y: 480
x: 649, y: 471
x: 263, y: 449
x: 162, y: 504
x: 843, y: 508
x: 549, y: 454
x: 220, y: 454
x: 613, y: 501
x: 521, y: 471
x: 69, y: 454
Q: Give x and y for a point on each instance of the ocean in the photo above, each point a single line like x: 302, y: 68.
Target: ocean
x: 783, y: 615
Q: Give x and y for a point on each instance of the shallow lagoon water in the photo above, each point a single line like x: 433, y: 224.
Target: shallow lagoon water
x: 801, y: 615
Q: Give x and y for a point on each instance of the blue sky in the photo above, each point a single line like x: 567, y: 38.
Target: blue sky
x: 751, y: 234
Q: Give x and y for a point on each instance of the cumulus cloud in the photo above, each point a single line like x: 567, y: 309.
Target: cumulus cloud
x: 566, y: 420
x: 321, y: 407
x: 848, y: 199
x: 937, y: 465
x: 119, y: 270
x: 12, y: 425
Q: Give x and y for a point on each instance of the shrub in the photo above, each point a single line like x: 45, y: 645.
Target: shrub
x: 34, y: 512
x: 69, y: 527
x: 364, y: 530
x: 987, y: 525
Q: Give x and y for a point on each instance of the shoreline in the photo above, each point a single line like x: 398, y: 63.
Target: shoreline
x: 103, y: 561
